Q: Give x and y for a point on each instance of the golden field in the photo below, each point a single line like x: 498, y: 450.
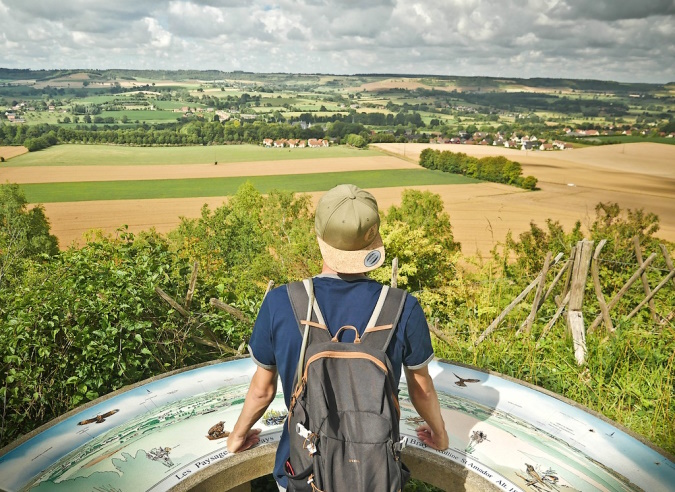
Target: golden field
x: 571, y: 184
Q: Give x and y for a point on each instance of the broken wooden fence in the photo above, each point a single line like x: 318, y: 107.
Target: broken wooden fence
x: 583, y: 258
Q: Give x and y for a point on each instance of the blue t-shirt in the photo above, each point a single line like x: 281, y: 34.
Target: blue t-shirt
x: 276, y: 338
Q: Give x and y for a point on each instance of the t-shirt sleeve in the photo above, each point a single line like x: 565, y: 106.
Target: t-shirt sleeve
x: 261, y: 346
x: 418, y: 350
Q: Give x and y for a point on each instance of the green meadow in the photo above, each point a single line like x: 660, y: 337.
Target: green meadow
x: 203, y: 187
x: 114, y: 155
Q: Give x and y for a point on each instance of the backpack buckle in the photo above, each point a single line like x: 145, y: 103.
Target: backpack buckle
x: 310, y: 438
x: 398, y: 446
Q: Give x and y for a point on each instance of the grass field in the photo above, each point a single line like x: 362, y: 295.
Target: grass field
x: 142, y: 115
x: 112, y: 155
x: 185, y: 188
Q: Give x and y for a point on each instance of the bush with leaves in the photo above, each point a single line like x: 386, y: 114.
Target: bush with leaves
x: 252, y: 239
x: 81, y: 323
x: 419, y: 234
x: 89, y: 322
x: 24, y: 235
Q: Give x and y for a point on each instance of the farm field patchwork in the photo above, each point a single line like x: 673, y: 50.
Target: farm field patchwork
x: 61, y: 174
x: 571, y: 184
x: 118, y: 155
x: 184, y: 188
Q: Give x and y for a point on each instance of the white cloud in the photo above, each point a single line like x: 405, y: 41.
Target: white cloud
x: 159, y: 37
x: 571, y: 38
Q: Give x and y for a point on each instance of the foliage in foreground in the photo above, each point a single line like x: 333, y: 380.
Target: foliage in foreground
x: 72, y: 324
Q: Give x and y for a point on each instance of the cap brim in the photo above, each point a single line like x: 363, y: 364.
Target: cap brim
x: 358, y: 261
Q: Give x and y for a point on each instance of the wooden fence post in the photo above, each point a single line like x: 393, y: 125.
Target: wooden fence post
x: 168, y: 299
x: 645, y: 282
x: 671, y: 267
x: 513, y: 304
x: 623, y: 290
x: 575, y: 317
x: 394, y: 272
x: 651, y: 295
x: 595, y: 272
x: 529, y: 321
x: 568, y: 277
x: 270, y: 284
x: 666, y: 256
x: 191, y: 286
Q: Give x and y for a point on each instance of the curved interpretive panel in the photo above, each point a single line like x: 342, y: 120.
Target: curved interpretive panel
x: 171, y: 432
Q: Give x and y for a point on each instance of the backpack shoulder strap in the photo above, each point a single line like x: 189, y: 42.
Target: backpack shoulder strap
x: 383, y: 321
x: 299, y: 294
x: 307, y: 316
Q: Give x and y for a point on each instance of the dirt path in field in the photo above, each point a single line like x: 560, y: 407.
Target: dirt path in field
x: 56, y: 174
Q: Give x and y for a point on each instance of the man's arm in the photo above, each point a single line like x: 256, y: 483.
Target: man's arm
x: 425, y: 400
x: 259, y: 396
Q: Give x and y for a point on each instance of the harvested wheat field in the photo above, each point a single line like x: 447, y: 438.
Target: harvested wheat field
x: 571, y: 183
x: 63, y: 174
x: 12, y: 151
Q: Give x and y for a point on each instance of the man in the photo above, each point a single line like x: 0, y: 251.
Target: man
x: 347, y: 227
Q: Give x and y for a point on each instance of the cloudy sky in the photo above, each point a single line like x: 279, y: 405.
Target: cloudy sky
x: 623, y: 40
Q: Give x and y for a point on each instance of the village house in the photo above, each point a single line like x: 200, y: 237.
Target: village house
x: 317, y: 142
x: 268, y: 142
x: 546, y: 146
x: 280, y: 143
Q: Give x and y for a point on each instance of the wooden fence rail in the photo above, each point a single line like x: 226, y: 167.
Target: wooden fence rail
x: 583, y: 258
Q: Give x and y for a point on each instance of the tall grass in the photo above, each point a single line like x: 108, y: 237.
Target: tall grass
x: 628, y: 376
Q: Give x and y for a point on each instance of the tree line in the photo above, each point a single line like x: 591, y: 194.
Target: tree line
x: 497, y: 169
x: 195, y: 132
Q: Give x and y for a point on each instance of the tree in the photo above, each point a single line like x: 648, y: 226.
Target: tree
x: 24, y: 233
x: 419, y: 234
x: 356, y: 140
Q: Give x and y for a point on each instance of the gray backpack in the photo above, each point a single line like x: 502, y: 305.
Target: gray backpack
x: 343, y: 420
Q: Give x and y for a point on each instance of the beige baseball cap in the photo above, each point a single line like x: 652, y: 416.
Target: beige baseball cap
x: 347, y: 226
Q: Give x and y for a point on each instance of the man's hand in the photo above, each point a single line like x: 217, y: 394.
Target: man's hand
x: 260, y: 394
x: 427, y: 436
x: 237, y: 443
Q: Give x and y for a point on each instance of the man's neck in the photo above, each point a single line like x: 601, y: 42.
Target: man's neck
x: 326, y: 270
